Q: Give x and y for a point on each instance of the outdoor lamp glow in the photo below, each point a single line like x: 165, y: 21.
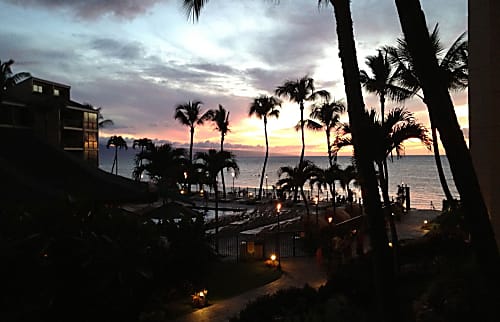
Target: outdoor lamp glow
x: 278, y: 207
x: 273, y: 257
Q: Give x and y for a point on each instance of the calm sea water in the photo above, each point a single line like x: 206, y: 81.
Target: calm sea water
x: 418, y: 172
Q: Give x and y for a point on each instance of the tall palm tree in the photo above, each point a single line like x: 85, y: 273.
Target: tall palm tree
x: 384, y: 80
x: 454, y: 70
x: 325, y: 116
x: 119, y: 143
x: 300, y: 91
x: 8, y: 78
x: 210, y: 164
x: 400, y: 126
x: 265, y: 107
x: 382, y: 263
x: 143, y: 144
x: 383, y: 273
x: 189, y: 114
x: 442, y: 113
x: 383, y: 83
x: 296, y: 177
x: 221, y: 119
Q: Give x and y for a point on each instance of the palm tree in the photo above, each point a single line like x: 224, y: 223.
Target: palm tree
x: 383, y: 269
x: 383, y: 273
x: 300, y: 91
x: 384, y: 82
x: 119, y: 143
x: 188, y: 114
x: 454, y: 70
x: 265, y: 107
x: 346, y: 176
x: 221, y: 119
x: 163, y: 164
x: 210, y: 164
x: 8, y: 78
x: 387, y: 137
x: 326, y: 116
x: 442, y: 113
x: 143, y: 144
x: 296, y: 177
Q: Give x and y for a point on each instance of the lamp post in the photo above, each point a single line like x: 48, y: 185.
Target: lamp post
x: 185, y: 179
x: 278, y: 210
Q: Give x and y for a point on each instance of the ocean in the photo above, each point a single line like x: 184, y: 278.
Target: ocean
x: 417, y: 172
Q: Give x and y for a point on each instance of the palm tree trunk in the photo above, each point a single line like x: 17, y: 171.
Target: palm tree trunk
x: 216, y: 189
x: 190, y: 157
x: 439, y: 166
x: 441, y: 108
x: 382, y: 266
x: 116, y: 160
x: 302, y: 152
x: 384, y: 184
x: 329, y: 149
x: 222, y: 171
x: 265, y: 160
x: 305, y: 201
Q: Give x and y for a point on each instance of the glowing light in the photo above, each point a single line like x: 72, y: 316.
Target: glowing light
x: 425, y: 222
x: 330, y: 220
x: 273, y: 257
x: 278, y: 207
x: 390, y: 244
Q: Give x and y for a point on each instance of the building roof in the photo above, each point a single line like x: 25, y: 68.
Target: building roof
x: 34, y: 171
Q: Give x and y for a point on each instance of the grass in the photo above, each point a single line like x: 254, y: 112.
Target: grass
x: 229, y: 279
x: 225, y: 280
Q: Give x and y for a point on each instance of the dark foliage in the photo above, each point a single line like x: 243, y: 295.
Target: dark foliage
x: 85, y: 264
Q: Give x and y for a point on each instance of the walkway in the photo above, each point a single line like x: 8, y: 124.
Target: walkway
x: 297, y: 273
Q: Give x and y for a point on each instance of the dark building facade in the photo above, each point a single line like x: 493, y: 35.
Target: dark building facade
x: 45, y: 109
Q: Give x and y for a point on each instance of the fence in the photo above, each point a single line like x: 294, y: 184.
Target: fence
x: 244, y: 247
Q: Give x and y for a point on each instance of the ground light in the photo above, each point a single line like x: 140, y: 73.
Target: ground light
x: 199, y: 299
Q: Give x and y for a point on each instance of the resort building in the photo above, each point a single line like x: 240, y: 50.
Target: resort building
x: 484, y: 101
x: 45, y: 109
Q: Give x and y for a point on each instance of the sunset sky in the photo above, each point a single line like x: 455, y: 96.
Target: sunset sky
x: 138, y: 59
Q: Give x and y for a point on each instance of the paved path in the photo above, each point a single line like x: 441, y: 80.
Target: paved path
x: 298, y: 271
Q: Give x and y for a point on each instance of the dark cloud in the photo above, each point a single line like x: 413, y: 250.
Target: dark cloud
x: 115, y: 49
x: 92, y: 9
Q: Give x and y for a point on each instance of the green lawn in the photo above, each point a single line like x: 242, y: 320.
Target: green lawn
x: 227, y: 279
x: 230, y: 279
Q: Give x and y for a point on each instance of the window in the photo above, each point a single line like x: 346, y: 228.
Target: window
x: 37, y: 88
x: 90, y: 141
x: 56, y: 92
x: 90, y: 121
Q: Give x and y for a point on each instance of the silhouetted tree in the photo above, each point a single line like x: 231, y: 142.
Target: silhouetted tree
x: 119, y: 143
x: 296, y: 177
x: 265, y: 107
x: 442, y: 114
x: 221, y: 119
x: 454, y: 68
x: 143, y: 144
x: 8, y: 78
x: 189, y: 114
x: 210, y: 164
